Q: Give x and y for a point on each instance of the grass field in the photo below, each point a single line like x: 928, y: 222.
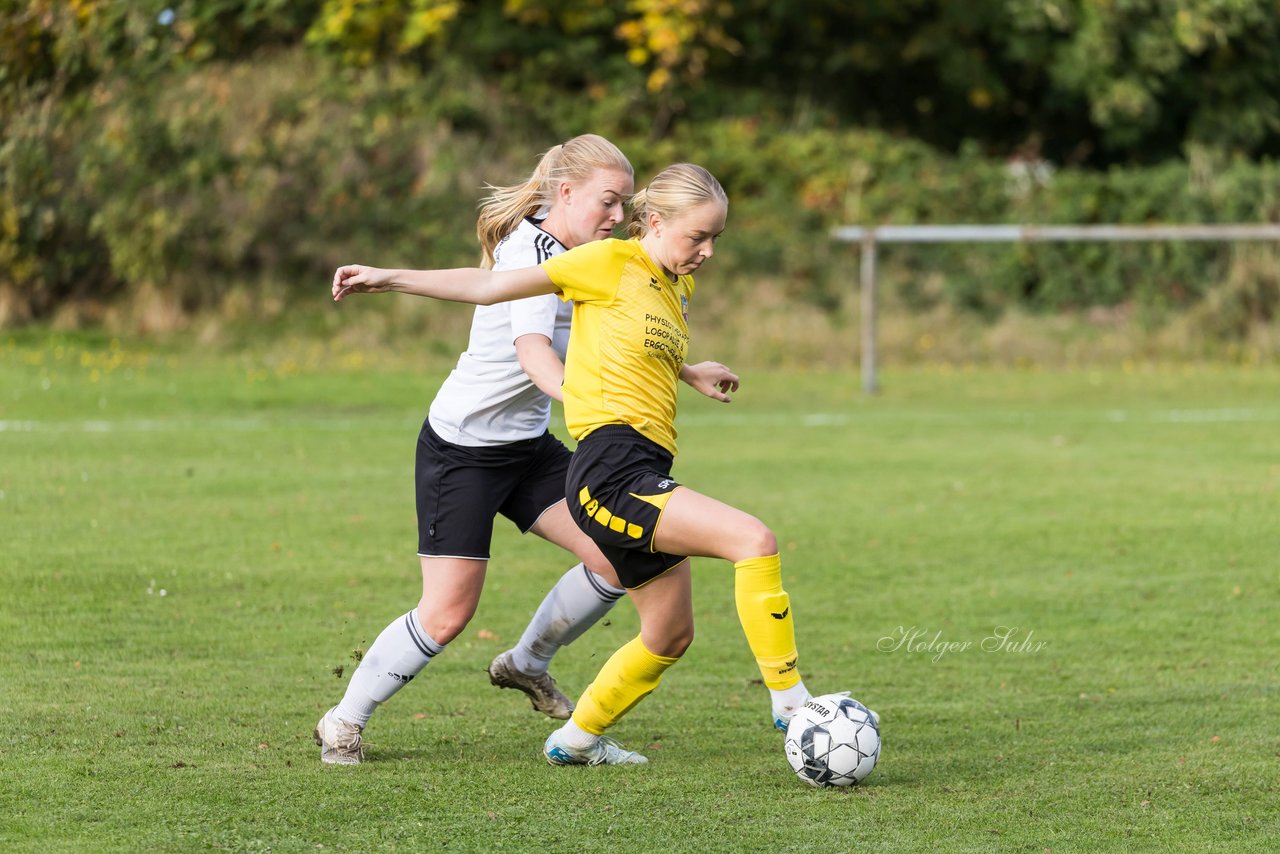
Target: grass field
x: 192, y: 546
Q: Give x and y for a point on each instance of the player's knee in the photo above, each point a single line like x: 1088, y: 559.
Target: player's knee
x: 671, y: 644
x: 682, y: 643
x: 757, y: 540
x: 444, y: 624
x: 602, y: 569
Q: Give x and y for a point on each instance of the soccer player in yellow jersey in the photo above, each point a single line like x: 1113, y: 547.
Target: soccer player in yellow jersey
x: 627, y: 351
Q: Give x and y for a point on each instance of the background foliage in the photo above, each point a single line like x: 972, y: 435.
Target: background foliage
x: 157, y: 160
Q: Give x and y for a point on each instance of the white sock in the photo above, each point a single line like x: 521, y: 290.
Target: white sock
x: 787, y: 701
x: 577, y: 737
x: 578, y: 600
x: 399, y: 653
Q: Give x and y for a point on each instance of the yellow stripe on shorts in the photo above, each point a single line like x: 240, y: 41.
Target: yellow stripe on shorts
x: 601, y: 514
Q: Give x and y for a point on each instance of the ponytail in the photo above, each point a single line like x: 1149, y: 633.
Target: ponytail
x: 503, y: 209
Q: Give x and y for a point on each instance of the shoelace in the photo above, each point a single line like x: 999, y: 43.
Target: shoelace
x: 347, y: 738
x: 545, y: 685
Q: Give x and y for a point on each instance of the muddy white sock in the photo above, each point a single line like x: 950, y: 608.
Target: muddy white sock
x: 398, y: 654
x: 578, y: 600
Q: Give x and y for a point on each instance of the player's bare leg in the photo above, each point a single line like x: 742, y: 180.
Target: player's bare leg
x: 696, y: 524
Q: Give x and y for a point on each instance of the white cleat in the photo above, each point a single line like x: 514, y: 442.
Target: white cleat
x: 339, y: 741
x: 782, y: 717
x: 605, y: 751
x: 541, y: 689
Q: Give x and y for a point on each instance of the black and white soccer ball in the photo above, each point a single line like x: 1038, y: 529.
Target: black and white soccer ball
x: 833, y: 741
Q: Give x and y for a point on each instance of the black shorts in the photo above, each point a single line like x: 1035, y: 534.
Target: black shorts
x: 461, y: 488
x: 618, y: 486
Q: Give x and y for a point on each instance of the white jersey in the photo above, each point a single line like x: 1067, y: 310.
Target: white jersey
x: 488, y: 399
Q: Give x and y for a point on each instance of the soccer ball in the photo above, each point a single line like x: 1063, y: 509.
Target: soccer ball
x: 833, y: 741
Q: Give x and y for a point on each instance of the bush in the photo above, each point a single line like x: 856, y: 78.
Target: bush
x: 271, y: 173
x: 47, y: 254
x: 266, y: 173
x: 788, y: 190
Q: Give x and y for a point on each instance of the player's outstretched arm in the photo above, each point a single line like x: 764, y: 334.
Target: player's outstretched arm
x: 711, y: 378
x: 467, y: 284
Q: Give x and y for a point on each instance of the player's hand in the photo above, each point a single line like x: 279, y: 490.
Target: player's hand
x: 359, y: 279
x: 712, y: 379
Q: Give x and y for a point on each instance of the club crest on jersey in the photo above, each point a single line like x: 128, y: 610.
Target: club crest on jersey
x: 684, y: 307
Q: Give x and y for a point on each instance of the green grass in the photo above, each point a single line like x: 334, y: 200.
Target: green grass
x: 191, y: 544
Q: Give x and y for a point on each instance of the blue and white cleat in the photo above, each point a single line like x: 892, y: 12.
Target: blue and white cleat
x: 605, y: 751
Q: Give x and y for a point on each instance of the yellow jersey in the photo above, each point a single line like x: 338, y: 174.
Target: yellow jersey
x: 628, y: 340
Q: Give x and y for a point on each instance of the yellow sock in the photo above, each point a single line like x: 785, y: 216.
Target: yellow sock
x: 765, y: 612
x: 626, y: 679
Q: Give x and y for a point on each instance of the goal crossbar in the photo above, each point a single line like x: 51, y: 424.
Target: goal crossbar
x: 869, y: 237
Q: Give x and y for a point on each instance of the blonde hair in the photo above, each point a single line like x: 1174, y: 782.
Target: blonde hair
x: 673, y: 191
x: 575, y: 160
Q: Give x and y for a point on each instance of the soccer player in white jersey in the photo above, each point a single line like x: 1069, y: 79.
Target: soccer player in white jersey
x: 485, y: 450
